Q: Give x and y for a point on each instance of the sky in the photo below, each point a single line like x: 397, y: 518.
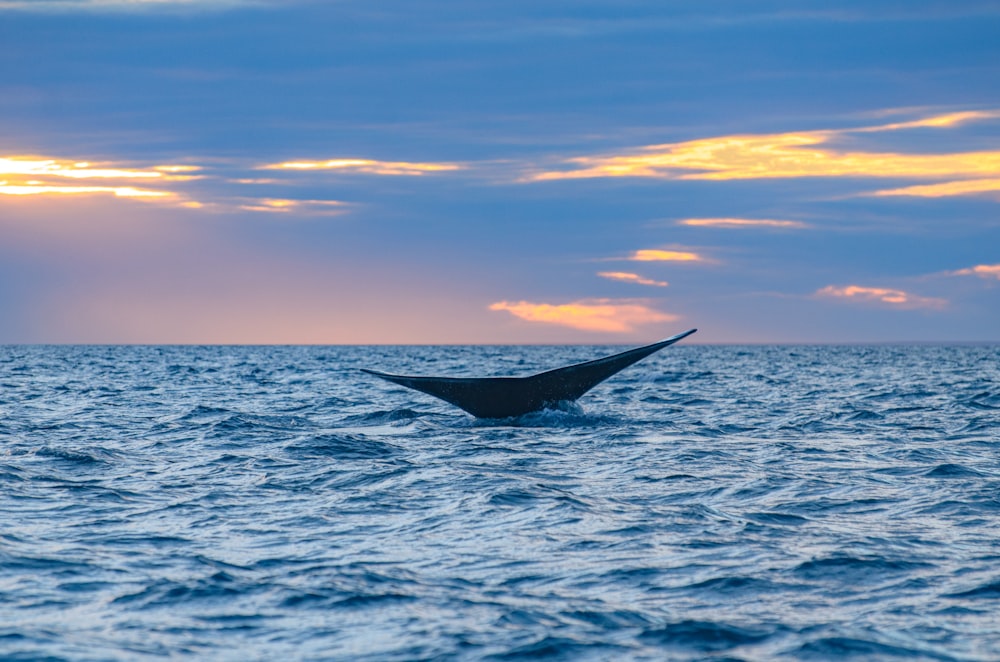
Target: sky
x: 584, y: 171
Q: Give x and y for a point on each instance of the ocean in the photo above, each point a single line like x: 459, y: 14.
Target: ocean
x: 710, y: 502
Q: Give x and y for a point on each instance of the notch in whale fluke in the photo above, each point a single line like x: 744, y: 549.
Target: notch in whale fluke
x: 502, y: 397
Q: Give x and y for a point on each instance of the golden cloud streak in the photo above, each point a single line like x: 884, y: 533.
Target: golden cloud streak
x: 257, y: 180
x: 784, y: 155
x: 945, y: 189
x: 283, y: 206
x: 658, y: 255
x: 33, y: 175
x: 170, y: 169
x: 981, y: 270
x: 740, y: 223
x: 118, y: 191
x: 632, y: 278
x: 367, y: 166
x: 893, y: 297
x: 35, y: 167
x: 40, y: 176
x: 605, y: 315
x: 946, y: 120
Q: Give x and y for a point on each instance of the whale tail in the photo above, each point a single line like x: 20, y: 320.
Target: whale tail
x: 503, y: 397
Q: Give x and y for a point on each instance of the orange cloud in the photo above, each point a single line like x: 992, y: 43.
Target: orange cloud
x: 895, y: 298
x: 37, y: 188
x: 946, y: 120
x: 607, y: 315
x: 981, y: 270
x: 740, y: 223
x: 283, y: 206
x: 32, y: 175
x: 945, y: 189
x: 783, y: 155
x: 631, y: 278
x: 43, y: 167
x: 367, y: 166
x: 658, y: 255
x: 177, y: 168
x: 254, y: 180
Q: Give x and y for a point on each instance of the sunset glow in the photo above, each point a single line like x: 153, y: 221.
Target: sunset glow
x: 658, y: 255
x: 631, y: 278
x: 35, y: 188
x: 606, y: 315
x: 982, y: 270
x: 893, y: 297
x: 284, y: 206
x: 741, y: 223
x: 783, y: 155
x: 771, y: 172
x: 366, y: 166
x: 946, y: 189
x: 35, y: 167
x: 945, y: 120
x: 33, y: 176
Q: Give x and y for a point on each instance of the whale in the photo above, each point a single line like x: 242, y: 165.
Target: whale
x: 506, y: 397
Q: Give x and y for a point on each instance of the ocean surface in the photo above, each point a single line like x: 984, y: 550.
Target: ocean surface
x: 711, y: 502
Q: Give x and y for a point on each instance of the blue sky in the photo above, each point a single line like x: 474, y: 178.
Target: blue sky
x: 442, y: 172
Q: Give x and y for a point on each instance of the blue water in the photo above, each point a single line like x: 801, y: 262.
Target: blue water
x: 708, y: 503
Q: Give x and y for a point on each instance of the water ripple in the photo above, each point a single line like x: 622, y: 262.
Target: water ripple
x: 709, y: 503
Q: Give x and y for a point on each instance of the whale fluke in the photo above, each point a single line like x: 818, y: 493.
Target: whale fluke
x: 502, y: 397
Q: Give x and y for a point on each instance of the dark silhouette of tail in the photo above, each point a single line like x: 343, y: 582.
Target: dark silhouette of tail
x: 501, y: 397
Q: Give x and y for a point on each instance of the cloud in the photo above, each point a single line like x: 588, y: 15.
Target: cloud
x: 46, y: 176
x: 946, y: 120
x: 982, y: 270
x: 49, y: 167
x: 945, y: 189
x: 366, y: 166
x: 32, y: 175
x: 41, y: 176
x: 741, y: 223
x: 660, y: 255
x: 632, y: 278
x: 36, y: 188
x: 606, y: 315
x: 284, y: 206
x: 881, y: 295
x: 784, y: 155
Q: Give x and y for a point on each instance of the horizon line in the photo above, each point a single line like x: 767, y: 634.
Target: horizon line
x: 801, y: 343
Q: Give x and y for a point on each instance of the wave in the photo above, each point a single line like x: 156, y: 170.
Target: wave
x: 716, y: 503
